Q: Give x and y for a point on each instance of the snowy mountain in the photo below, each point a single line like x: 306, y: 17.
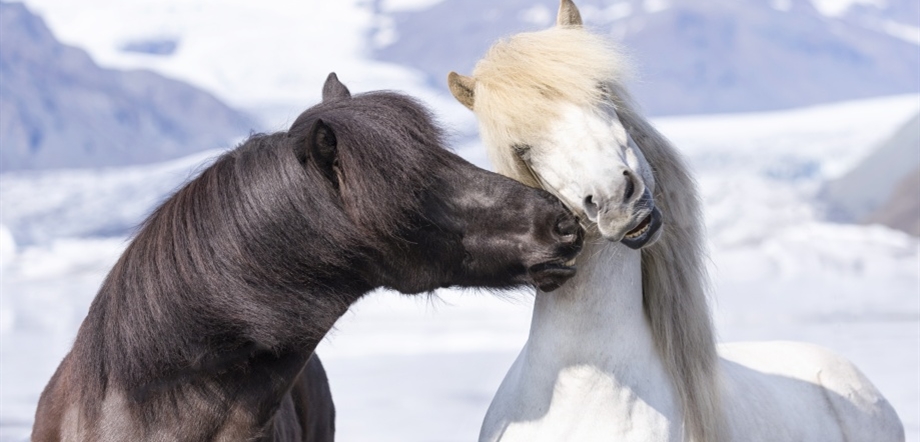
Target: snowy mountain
x: 691, y: 56
x: 857, y: 195
x: 59, y: 109
x: 269, y: 58
x: 902, y: 208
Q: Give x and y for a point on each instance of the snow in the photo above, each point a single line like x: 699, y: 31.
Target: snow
x: 424, y: 368
x: 7, y: 246
x: 421, y: 368
x: 124, y: 195
x: 836, y: 8
x: 406, y: 5
x: 905, y: 32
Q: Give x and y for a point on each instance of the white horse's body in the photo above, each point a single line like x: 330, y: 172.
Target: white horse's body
x: 590, y: 372
x: 794, y: 391
x: 625, y: 350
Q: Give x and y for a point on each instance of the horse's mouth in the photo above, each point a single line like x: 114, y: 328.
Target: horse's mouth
x: 549, y: 276
x: 644, y: 232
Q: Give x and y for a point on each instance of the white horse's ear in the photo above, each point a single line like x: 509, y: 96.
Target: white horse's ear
x: 333, y: 89
x: 462, y: 87
x: 568, y: 14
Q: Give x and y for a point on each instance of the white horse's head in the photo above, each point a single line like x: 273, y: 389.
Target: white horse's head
x: 547, y: 104
x: 553, y: 113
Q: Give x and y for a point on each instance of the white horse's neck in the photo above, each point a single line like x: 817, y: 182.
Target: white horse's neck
x: 590, y: 355
x: 600, y: 308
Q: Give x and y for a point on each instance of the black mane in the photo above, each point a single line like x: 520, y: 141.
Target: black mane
x: 233, y: 257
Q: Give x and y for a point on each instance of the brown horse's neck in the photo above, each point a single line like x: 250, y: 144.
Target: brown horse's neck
x: 224, y: 395
x: 158, y: 359
x: 213, y: 310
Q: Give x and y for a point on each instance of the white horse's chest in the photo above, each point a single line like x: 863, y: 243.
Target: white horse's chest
x: 582, y: 402
x: 590, y: 371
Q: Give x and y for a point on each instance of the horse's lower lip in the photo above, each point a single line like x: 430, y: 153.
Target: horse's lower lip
x: 644, y: 232
x: 549, y: 276
x: 553, y: 265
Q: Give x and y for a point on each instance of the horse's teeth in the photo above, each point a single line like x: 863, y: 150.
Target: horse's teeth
x: 638, y: 234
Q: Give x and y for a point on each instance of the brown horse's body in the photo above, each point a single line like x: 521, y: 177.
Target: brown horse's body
x: 205, y: 328
x: 306, y: 414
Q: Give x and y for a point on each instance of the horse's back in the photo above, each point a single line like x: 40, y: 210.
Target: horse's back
x: 803, y: 392
x: 311, y: 416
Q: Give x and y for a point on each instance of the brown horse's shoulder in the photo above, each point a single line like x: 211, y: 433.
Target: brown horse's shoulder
x: 67, y: 413
x: 53, y: 406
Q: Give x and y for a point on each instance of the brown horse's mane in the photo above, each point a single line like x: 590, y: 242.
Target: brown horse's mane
x: 254, y: 256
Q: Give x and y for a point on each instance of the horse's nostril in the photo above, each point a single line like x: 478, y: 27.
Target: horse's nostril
x: 630, y: 186
x: 566, y: 227
x: 590, y: 207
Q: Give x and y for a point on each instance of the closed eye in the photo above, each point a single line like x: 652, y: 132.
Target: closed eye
x: 521, y: 149
x: 604, y: 88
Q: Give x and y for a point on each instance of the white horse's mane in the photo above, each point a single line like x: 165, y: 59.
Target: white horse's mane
x: 521, y: 81
x: 519, y: 84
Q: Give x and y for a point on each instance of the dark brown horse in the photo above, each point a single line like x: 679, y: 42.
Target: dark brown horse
x: 205, y: 328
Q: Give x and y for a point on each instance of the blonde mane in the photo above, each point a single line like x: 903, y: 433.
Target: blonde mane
x: 522, y: 80
x: 519, y: 86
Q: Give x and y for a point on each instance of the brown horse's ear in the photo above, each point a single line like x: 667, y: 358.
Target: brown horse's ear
x: 462, y: 87
x: 322, y: 149
x: 334, y: 89
x: 568, y: 14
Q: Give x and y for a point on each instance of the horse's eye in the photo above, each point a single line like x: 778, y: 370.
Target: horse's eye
x: 604, y: 88
x: 520, y: 149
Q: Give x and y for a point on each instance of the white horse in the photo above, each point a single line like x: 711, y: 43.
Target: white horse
x: 625, y: 351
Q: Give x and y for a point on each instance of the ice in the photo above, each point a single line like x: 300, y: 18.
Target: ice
x: 102, y: 202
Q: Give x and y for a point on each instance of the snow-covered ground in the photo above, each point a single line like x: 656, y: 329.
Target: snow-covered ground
x: 425, y: 368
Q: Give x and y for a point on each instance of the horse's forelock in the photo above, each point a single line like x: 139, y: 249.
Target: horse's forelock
x: 521, y: 81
